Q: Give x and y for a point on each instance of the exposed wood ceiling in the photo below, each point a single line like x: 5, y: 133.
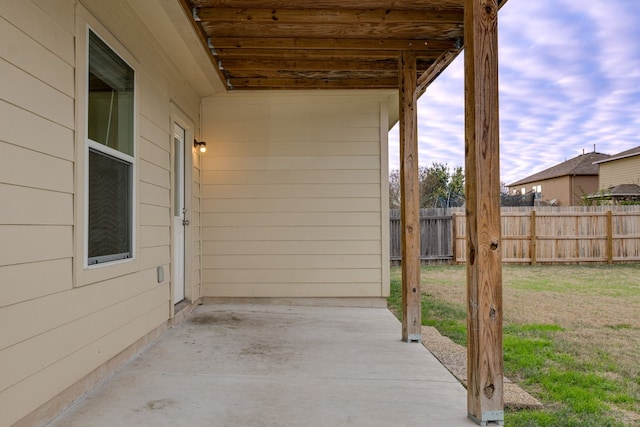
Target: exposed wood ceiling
x: 328, y: 44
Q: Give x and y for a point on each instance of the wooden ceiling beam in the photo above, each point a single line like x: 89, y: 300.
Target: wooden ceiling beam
x: 331, y: 54
x: 333, y: 4
x: 300, y: 83
x: 320, y: 16
x: 362, y: 30
x: 249, y: 64
x: 332, y: 43
x: 232, y: 53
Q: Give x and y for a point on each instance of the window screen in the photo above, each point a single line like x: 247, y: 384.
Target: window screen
x: 110, y: 145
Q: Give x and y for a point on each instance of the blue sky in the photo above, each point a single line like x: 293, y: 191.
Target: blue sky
x: 569, y: 79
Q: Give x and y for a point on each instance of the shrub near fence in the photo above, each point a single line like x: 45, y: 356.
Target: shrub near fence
x: 604, y: 234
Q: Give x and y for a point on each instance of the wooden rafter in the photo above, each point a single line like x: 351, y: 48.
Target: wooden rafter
x: 364, y: 30
x: 319, y: 16
x: 309, y: 65
x: 302, y: 83
x: 329, y: 54
x: 380, y: 43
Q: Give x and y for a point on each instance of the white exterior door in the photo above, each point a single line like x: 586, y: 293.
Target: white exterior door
x: 179, y: 214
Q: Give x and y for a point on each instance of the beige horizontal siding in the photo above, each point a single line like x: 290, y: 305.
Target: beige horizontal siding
x: 213, y: 162
x: 291, y: 191
x: 298, y: 133
x: 24, y: 167
x: 151, y: 257
x: 30, y: 93
x: 72, y: 337
x: 26, y: 395
x: 155, y: 134
x: 270, y: 176
x: 30, y: 243
x: 263, y: 279
x: 281, y: 289
x: 155, y: 154
x: 23, y: 282
x: 24, y: 205
x: 152, y: 236
x: 77, y: 318
x: 41, y: 26
x: 291, y: 195
x: 25, y: 53
x: 154, y: 174
x: 155, y: 215
x: 290, y: 233
x: 335, y: 204
x: 61, y: 11
x: 77, y: 303
x: 284, y: 149
x: 292, y: 247
x: 623, y: 171
x: 293, y: 262
x: 26, y: 129
x: 151, y: 194
x: 292, y: 219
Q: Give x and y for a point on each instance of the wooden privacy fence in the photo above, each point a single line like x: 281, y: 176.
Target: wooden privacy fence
x: 436, y: 235
x: 534, y: 235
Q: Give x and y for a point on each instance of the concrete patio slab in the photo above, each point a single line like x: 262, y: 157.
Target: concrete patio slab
x: 274, y: 365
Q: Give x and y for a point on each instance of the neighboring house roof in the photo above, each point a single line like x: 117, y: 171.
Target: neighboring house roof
x: 580, y: 165
x: 624, y: 190
x: 618, y: 191
x: 629, y: 153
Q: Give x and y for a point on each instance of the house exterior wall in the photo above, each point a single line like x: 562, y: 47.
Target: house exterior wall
x: 59, y: 320
x: 566, y: 190
x: 581, y: 186
x: 621, y: 171
x: 292, y: 195
x: 556, y: 188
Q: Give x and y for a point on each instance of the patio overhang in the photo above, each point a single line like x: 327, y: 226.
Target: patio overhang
x: 403, y: 45
x: 326, y: 44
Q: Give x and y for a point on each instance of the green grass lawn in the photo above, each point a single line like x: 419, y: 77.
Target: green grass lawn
x: 571, y: 337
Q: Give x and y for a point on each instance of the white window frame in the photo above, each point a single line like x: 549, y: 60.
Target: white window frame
x: 83, y: 274
x: 131, y: 159
x: 96, y: 146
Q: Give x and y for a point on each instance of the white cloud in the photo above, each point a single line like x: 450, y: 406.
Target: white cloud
x: 569, y: 78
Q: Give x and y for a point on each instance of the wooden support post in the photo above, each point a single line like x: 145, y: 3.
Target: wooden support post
x: 609, y: 237
x: 485, y: 401
x: 533, y: 248
x: 410, y: 199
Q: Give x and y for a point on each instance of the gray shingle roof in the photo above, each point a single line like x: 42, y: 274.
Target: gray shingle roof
x: 624, y: 190
x: 580, y: 165
x: 629, y: 153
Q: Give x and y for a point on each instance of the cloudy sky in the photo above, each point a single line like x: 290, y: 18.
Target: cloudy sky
x: 569, y: 79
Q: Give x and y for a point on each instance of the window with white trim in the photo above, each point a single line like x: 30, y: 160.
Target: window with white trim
x: 110, y: 154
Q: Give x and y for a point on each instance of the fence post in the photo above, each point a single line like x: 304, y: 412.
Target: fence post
x: 533, y: 244
x: 609, y: 237
x: 454, y: 238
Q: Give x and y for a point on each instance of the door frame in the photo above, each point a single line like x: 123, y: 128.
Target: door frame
x: 178, y: 117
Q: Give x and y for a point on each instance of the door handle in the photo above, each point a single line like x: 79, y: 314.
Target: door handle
x: 185, y: 222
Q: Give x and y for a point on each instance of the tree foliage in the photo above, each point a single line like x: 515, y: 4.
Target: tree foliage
x: 439, y: 186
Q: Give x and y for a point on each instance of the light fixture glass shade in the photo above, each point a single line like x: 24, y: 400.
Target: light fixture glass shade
x: 201, y: 146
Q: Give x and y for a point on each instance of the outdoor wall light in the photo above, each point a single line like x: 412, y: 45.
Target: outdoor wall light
x: 201, y: 146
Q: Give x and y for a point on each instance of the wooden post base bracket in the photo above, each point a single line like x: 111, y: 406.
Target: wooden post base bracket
x: 489, y: 418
